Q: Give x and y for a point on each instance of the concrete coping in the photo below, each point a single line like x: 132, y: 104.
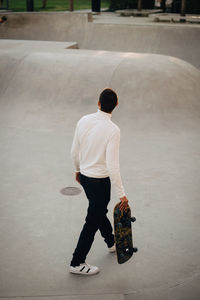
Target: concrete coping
x: 35, y: 45
x: 165, y: 17
x: 136, y: 12
x: 43, y: 12
x: 88, y: 15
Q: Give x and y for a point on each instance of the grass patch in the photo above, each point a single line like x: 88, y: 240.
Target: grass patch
x: 54, y: 5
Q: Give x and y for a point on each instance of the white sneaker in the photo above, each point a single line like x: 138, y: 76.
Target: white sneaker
x: 84, y: 269
x: 112, y: 249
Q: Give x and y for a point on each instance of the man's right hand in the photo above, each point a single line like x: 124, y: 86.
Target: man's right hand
x: 124, y: 203
x: 77, y: 177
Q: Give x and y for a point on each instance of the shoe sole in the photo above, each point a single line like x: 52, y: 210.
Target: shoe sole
x: 86, y: 274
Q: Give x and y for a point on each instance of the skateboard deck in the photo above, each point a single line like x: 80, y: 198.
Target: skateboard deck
x: 123, y: 234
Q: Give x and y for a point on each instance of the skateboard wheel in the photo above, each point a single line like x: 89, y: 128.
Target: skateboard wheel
x: 135, y: 249
x: 133, y: 219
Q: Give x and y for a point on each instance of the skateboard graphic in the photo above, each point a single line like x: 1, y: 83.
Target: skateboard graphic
x: 123, y: 233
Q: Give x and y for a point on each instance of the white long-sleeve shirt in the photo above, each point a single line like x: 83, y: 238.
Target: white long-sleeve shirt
x: 95, y: 148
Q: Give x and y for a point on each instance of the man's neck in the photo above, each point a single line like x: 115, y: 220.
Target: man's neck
x: 104, y: 111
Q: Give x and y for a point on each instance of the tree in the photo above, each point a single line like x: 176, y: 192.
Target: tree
x: 71, y: 5
x: 183, y: 7
x: 44, y: 2
x: 163, y: 5
x: 139, y: 4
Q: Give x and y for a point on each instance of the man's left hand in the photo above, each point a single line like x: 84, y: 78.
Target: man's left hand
x: 124, y: 203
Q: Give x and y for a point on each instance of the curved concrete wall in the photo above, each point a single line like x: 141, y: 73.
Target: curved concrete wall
x: 156, y: 92
x: 181, y: 42
x: 178, y: 40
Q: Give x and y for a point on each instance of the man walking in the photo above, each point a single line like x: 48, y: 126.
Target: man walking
x: 95, y: 153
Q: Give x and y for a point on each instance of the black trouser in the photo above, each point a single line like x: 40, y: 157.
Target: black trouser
x: 98, y: 193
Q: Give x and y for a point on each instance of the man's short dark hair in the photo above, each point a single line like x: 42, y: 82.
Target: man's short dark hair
x: 108, y: 100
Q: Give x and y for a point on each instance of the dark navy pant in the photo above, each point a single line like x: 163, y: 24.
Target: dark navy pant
x: 98, y: 193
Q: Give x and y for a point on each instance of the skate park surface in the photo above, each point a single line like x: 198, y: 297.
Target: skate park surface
x: 108, y: 32
x: 45, y: 88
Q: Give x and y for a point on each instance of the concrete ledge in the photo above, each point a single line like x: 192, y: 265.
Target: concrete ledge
x: 135, y: 12
x: 32, y: 45
x: 48, y: 26
x: 165, y: 17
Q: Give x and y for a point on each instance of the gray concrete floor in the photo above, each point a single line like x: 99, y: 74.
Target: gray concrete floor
x: 42, y: 95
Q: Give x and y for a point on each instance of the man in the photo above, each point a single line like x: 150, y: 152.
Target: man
x: 168, y: 4
x: 95, y: 153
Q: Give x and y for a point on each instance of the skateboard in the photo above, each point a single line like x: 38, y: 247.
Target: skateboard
x: 123, y: 233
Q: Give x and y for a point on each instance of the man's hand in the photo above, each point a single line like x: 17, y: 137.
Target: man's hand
x: 77, y: 177
x: 124, y: 203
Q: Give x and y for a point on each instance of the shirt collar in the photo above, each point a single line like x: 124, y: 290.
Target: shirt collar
x: 104, y: 114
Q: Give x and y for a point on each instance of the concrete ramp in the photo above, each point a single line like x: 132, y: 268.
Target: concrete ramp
x: 110, y: 33
x: 156, y: 92
x: 42, y: 96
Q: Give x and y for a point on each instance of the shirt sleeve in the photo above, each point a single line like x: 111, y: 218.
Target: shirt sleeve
x: 75, y: 151
x: 112, y: 163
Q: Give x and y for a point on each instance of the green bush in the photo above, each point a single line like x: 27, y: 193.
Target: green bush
x: 54, y: 5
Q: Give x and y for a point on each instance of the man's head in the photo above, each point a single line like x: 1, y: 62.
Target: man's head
x: 108, y: 100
